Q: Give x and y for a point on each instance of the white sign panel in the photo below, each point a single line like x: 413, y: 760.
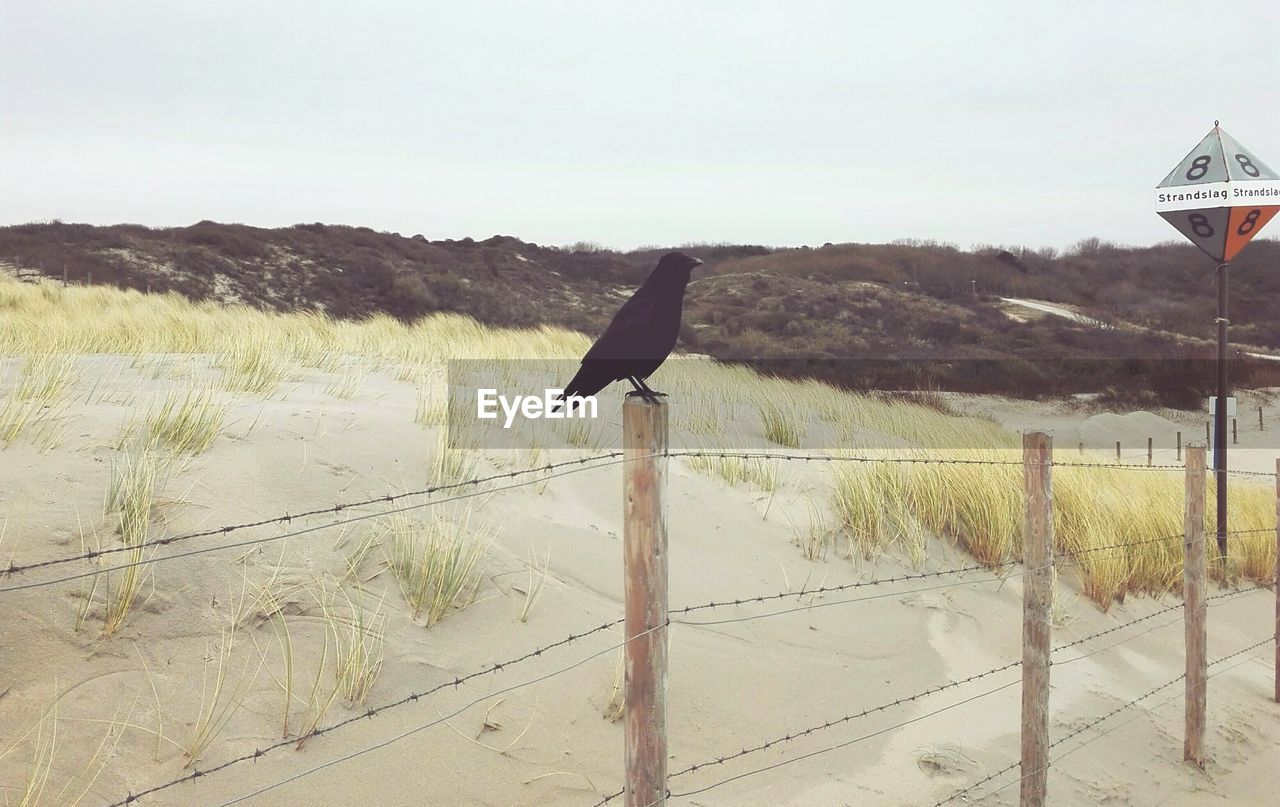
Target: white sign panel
x: 1217, y: 194
x: 1231, y: 406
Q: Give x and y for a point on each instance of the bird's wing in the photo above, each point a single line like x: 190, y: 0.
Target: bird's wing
x: 628, y: 333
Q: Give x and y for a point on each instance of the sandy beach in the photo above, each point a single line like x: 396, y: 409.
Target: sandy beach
x: 125, y: 705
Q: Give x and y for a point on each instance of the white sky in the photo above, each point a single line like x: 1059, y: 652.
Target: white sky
x: 629, y: 123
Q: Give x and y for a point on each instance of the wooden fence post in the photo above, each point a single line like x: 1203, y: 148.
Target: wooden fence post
x: 1149, y: 444
x: 1117, y: 451
x: 1234, y: 436
x: 644, y: 536
x: 1179, y: 446
x: 1194, y: 610
x: 1260, y: 418
x: 1037, y: 604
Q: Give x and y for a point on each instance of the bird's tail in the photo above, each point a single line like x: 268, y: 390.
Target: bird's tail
x: 574, y: 388
x: 560, y: 400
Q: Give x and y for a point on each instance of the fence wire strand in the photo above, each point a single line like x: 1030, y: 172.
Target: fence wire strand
x: 308, y: 530
x: 555, y: 470
x: 288, y: 518
x: 454, y: 683
x: 769, y: 455
x: 954, y: 684
x: 1091, y: 724
x: 443, y: 718
x: 541, y: 473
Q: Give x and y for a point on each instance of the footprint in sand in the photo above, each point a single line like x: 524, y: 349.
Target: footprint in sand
x: 944, y: 762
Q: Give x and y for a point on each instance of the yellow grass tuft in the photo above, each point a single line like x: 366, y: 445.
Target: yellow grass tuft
x: 358, y: 639
x: 186, y: 422
x: 451, y: 465
x: 255, y: 368
x: 220, y: 697
x: 47, y: 377
x: 130, y: 501
x: 783, y: 424
x: 436, y: 562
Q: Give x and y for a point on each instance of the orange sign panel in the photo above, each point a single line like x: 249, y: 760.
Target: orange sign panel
x: 1244, y: 222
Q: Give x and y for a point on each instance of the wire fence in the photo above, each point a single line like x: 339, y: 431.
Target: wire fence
x: 1092, y: 724
x: 954, y: 684
x: 983, y: 573
x: 288, y: 518
x: 534, y: 476
x: 497, y: 667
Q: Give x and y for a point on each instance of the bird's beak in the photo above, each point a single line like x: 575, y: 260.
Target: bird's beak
x: 696, y: 261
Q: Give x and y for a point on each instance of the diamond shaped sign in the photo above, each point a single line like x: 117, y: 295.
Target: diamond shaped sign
x: 1219, y: 196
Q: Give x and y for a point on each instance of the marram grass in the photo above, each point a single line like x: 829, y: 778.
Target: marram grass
x: 874, y: 507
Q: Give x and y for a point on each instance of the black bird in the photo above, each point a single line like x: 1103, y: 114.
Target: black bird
x: 642, y: 333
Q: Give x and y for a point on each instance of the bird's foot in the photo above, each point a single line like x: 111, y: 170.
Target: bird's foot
x: 652, y: 396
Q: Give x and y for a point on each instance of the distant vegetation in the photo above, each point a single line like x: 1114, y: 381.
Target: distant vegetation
x: 907, y: 315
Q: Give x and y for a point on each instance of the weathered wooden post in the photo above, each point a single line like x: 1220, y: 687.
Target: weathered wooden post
x: 1260, y: 428
x: 1179, y: 446
x: 1234, y: 436
x: 1194, y: 609
x: 1037, y: 604
x: 1118, y: 451
x: 644, y: 537
x: 1149, y: 445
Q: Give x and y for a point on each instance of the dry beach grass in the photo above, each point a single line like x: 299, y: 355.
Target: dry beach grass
x: 125, y: 417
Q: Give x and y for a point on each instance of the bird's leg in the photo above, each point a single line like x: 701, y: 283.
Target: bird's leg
x: 648, y: 391
x: 642, y: 390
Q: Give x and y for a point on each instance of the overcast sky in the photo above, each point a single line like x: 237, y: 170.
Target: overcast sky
x: 629, y: 123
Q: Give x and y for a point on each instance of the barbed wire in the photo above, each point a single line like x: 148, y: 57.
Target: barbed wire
x: 456, y: 682
x: 287, y: 518
x: 846, y: 743
x: 950, y: 685
x: 308, y: 530
x: 443, y: 718
x: 770, y: 455
x: 1164, y: 539
x: 583, y: 464
x: 491, y: 669
x: 496, y: 667
x: 538, y: 652
x: 1229, y: 668
x: 1076, y: 732
x: 546, y: 472
x: 808, y: 592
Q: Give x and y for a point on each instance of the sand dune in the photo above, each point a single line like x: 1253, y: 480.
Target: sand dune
x: 732, y: 685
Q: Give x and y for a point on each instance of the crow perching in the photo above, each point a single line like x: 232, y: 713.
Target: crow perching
x: 642, y: 333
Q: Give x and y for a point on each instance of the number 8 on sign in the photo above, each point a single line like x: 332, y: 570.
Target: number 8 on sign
x: 1250, y: 222
x: 1199, y: 167
x: 1219, y: 196
x: 1200, y: 225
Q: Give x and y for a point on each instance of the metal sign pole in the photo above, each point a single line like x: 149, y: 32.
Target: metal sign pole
x: 1219, y: 196
x: 1220, y: 414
